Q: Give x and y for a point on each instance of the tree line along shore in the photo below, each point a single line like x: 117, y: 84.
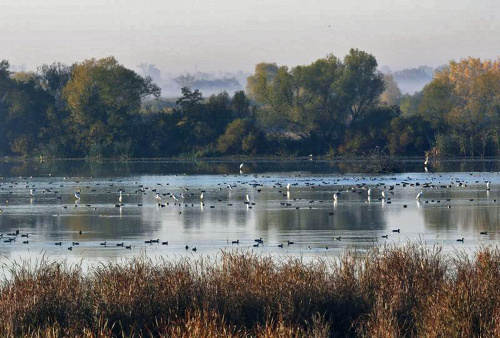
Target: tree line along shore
x: 334, y: 106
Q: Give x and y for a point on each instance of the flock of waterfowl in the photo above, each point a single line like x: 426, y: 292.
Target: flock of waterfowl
x: 187, y: 197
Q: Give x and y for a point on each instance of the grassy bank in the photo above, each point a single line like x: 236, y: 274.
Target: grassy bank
x: 392, y: 292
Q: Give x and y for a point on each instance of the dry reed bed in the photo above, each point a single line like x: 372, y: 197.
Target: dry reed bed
x: 405, y: 291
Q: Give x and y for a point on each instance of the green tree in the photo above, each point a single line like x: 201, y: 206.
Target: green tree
x: 392, y: 95
x: 409, y: 136
x: 102, y: 97
x: 23, y: 112
x: 219, y: 112
x: 259, y: 82
x: 317, y: 101
x: 53, y: 78
x: 437, y: 102
x: 241, y: 136
x: 241, y: 105
x: 5, y: 83
x: 193, y: 126
x: 370, y: 131
x: 409, y: 104
x: 360, y: 85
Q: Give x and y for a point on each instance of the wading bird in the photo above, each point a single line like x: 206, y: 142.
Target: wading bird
x: 419, y: 195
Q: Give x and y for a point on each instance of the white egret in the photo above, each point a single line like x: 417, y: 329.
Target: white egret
x: 32, y: 193
x: 77, y: 194
x: 487, y: 185
x: 120, y: 199
x: 201, y: 196
x: 383, y: 194
x: 369, y: 191
x: 248, y: 198
x: 335, y: 197
x: 241, y: 166
x: 426, y: 161
x: 288, y: 186
x: 419, y: 195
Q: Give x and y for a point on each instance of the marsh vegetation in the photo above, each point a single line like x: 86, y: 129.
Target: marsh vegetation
x: 390, y: 291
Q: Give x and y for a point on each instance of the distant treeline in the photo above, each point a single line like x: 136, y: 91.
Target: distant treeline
x: 98, y: 108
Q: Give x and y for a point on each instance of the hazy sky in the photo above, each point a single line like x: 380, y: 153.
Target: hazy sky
x: 237, y: 34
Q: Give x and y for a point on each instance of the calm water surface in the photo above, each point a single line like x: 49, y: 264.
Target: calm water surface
x: 455, y: 204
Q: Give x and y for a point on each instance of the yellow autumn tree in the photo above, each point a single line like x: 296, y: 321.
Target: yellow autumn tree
x: 466, y: 98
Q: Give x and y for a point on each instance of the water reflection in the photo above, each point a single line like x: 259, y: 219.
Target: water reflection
x: 294, y: 203
x: 467, y: 210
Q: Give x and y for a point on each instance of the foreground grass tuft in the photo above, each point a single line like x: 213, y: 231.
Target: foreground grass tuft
x: 405, y: 291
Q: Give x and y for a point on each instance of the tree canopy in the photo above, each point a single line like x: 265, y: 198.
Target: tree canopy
x: 332, y: 106
x: 101, y: 96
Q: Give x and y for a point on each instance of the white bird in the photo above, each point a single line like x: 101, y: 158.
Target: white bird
x: 426, y: 161
x: 32, y: 192
x: 201, y: 196
x: 288, y: 186
x: 175, y: 197
x: 335, y: 197
x: 120, y: 199
x: 241, y: 166
x: 77, y: 194
x: 488, y: 185
x: 383, y: 194
x: 248, y: 198
x: 419, y: 195
x: 158, y: 197
x: 369, y: 191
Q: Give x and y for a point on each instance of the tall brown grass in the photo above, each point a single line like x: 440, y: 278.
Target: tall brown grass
x: 408, y: 291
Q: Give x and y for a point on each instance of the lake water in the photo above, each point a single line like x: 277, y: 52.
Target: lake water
x: 455, y: 204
